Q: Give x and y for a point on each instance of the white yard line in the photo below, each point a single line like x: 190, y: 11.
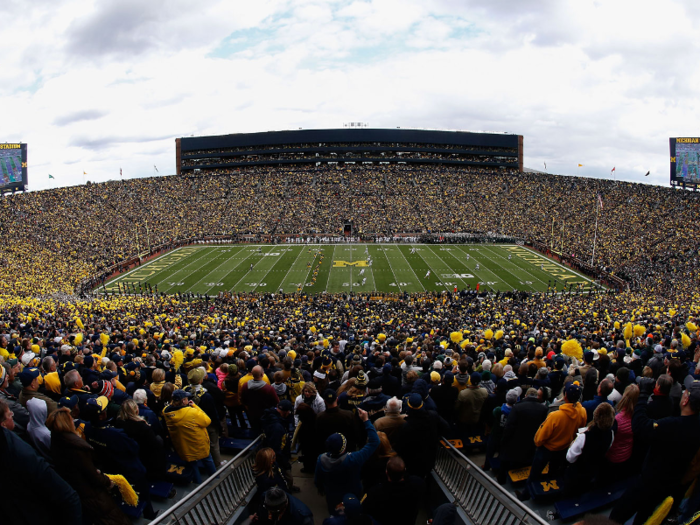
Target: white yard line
x: 290, y: 269
x: 449, y: 268
x: 232, y: 269
x: 460, y: 246
x: 197, y: 259
x: 226, y: 260
x: 411, y: 267
x: 390, y: 266
x: 432, y: 270
x: 328, y: 279
x: 519, y: 268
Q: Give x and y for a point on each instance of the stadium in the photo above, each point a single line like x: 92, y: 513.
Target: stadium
x: 417, y: 251
x: 296, y: 321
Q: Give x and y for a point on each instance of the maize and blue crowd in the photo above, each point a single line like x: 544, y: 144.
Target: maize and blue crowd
x: 97, y: 393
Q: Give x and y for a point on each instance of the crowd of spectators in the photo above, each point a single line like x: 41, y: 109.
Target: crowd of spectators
x: 110, y: 386
x: 367, y: 386
x: 55, y: 238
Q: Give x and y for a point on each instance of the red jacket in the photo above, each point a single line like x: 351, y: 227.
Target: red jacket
x: 257, y: 396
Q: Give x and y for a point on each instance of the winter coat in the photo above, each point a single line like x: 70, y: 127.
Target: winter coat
x: 39, y: 435
x: 26, y: 395
x: 187, y: 426
x: 257, y: 396
x: 417, y: 440
x: 72, y: 458
x: 338, y: 476
x: 60, y: 504
x: 517, y: 442
x: 20, y: 413
x: 591, y: 405
x: 275, y: 429
x: 316, y: 404
x: 151, y: 450
x: 115, y: 451
x: 560, y: 427
x: 469, y: 403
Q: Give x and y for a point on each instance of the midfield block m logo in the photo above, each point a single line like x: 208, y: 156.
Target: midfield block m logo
x: 343, y: 264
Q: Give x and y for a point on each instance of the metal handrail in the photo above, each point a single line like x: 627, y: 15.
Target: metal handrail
x: 220, y: 496
x: 483, y: 501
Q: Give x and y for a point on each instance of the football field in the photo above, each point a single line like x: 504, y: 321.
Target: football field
x: 333, y: 268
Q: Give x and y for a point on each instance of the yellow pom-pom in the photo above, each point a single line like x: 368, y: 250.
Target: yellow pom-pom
x: 488, y: 334
x: 248, y: 348
x: 517, y: 322
x: 572, y: 348
x: 409, y: 340
x: 617, y: 325
x: 104, y: 339
x: 691, y: 326
x: 499, y: 334
x: 382, y: 337
x: 313, y: 329
x: 456, y: 337
x: 660, y: 513
x: 628, y: 332
x: 79, y: 322
x: 325, y: 343
x: 127, y: 493
x: 685, y: 340
x: 78, y: 339
x: 464, y: 344
x: 177, y: 359
x: 639, y: 330
x: 443, y: 344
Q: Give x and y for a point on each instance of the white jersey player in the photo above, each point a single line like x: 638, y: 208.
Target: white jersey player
x: 477, y: 266
x: 362, y: 272
x: 427, y: 275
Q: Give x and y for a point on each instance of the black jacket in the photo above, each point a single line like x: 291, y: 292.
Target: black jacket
x: 334, y: 420
x: 517, y: 443
x: 22, y: 467
x: 417, y: 440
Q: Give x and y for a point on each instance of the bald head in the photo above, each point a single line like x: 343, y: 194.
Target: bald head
x: 257, y: 372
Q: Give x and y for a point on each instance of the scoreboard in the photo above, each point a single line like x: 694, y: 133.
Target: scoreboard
x: 685, y: 161
x: 13, y: 166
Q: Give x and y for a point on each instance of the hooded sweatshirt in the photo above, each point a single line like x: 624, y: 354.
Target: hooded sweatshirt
x: 39, y: 435
x: 560, y: 427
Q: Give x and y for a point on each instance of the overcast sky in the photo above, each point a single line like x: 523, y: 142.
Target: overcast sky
x: 98, y: 86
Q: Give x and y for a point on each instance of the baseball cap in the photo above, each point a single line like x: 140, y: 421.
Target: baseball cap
x: 336, y: 444
x: 179, y: 395
x: 68, y: 401
x: 415, y: 401
x: 28, y: 375
x: 329, y: 395
x: 286, y: 406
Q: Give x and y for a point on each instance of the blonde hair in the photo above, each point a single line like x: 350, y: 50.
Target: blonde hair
x: 629, y: 400
x: 129, y: 411
x: 60, y: 420
x: 158, y: 375
x: 264, y: 462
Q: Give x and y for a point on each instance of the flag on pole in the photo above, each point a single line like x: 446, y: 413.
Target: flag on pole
x: 580, y: 165
x: 84, y: 173
x: 154, y: 167
x: 612, y: 169
x: 647, y: 173
x: 51, y: 176
x: 545, y: 165
x: 600, y: 200
x: 120, y: 172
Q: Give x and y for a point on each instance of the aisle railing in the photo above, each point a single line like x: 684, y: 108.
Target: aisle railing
x: 221, y: 498
x: 480, y: 499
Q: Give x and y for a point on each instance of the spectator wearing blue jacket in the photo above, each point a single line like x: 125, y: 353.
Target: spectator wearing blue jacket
x: 338, y: 471
x: 605, y: 388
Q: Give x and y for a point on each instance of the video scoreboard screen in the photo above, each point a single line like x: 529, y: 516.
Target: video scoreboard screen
x: 13, y: 166
x: 685, y: 159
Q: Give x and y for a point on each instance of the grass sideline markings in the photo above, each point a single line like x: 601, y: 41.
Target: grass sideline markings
x: 549, y: 259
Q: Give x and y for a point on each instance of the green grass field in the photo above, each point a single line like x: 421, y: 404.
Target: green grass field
x: 346, y: 267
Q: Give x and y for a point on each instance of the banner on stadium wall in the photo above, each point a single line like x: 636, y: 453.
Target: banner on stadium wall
x: 685, y: 161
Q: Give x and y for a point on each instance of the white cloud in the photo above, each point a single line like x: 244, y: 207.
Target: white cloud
x: 95, y: 86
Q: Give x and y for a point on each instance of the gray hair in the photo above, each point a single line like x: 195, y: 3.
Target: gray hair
x: 393, y: 406
x: 140, y: 396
